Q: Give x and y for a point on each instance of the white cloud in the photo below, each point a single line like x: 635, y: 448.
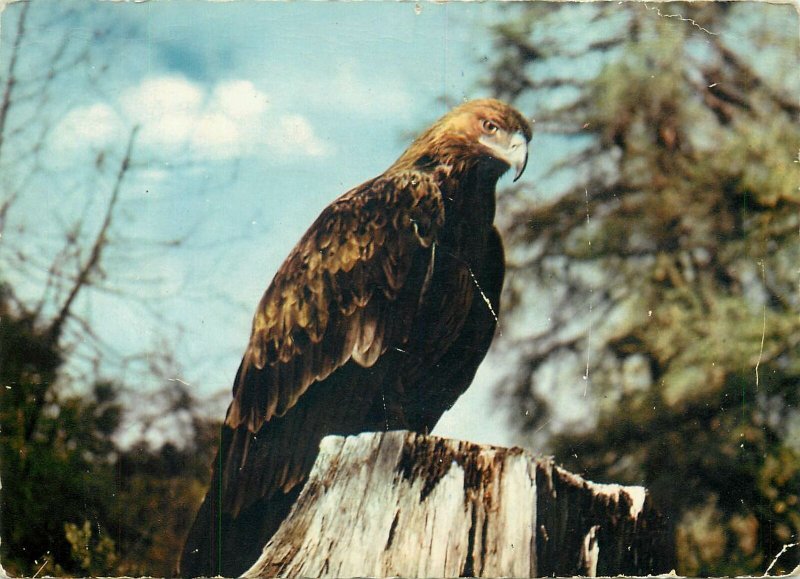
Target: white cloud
x: 294, y: 132
x: 90, y: 127
x: 232, y: 119
x: 240, y: 99
x: 159, y: 97
x: 217, y: 130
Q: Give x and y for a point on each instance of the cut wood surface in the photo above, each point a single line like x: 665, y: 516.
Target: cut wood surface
x: 403, y: 504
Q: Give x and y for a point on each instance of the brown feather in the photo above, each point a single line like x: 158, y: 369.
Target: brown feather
x: 352, y: 262
x: 377, y: 319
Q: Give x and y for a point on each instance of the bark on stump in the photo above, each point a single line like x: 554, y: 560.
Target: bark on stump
x: 404, y: 504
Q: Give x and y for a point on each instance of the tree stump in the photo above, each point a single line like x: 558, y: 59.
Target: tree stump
x: 403, y: 504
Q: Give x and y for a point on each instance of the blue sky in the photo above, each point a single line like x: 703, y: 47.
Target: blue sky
x: 253, y: 116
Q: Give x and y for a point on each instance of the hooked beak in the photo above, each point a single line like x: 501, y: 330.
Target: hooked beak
x: 519, y: 154
x: 510, y: 148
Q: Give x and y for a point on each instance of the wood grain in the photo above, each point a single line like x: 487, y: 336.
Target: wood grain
x: 403, y: 504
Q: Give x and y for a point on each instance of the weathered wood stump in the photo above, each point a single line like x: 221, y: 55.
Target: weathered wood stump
x: 404, y: 504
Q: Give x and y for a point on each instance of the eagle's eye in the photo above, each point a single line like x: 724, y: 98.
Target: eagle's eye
x: 488, y: 127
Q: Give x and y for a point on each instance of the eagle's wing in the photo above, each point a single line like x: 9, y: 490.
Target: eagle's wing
x: 340, y: 295
x: 438, y: 387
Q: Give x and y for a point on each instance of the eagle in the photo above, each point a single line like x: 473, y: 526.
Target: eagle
x: 377, y: 320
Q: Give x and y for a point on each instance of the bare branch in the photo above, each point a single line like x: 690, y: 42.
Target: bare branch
x: 93, y: 262
x: 11, y: 78
x: 743, y: 71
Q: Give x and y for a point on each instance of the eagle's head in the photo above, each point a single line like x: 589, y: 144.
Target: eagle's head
x: 487, y: 132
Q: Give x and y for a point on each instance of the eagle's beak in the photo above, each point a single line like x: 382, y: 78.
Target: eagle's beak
x: 518, y: 154
x: 511, y: 148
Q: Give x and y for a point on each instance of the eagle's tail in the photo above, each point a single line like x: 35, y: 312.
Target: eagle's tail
x: 220, y: 543
x: 257, y: 477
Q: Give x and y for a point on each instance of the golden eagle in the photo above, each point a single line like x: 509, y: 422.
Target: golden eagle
x: 377, y: 320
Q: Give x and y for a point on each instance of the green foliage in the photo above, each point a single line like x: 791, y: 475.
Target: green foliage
x: 73, y: 501
x: 93, y: 555
x: 158, y: 493
x: 670, y: 257
x: 719, y: 467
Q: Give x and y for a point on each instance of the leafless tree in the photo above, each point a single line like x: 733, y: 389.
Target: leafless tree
x: 70, y: 232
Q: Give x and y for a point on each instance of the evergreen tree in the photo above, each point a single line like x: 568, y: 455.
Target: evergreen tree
x: 667, y: 239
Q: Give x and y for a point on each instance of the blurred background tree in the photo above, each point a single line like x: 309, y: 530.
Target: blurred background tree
x: 81, y: 495
x: 668, y: 241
